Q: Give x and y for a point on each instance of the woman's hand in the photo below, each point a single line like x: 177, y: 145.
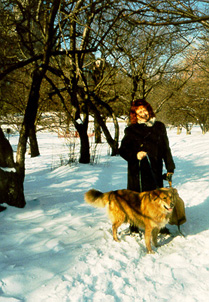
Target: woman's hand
x: 141, y: 154
x: 169, y: 176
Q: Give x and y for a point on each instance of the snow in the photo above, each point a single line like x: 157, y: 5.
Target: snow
x: 59, y: 249
x: 7, y: 169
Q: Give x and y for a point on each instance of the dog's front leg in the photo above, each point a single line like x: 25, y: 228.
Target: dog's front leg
x: 148, y: 235
x: 155, y: 233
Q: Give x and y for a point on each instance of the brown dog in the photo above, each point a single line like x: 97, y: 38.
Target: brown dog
x: 148, y: 210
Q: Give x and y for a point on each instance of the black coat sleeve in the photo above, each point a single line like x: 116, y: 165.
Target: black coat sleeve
x: 166, y: 151
x: 128, y: 149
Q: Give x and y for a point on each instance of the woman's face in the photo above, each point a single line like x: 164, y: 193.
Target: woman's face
x: 142, y: 114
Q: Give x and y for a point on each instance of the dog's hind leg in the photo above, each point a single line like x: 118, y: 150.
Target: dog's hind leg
x: 115, y: 227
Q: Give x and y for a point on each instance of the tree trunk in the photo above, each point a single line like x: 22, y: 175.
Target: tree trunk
x: 11, y: 184
x: 38, y: 75
x: 97, y: 131
x: 6, y: 152
x: 179, y: 130
x: 203, y: 127
x: 84, y: 142
x: 34, y: 150
x: 112, y: 142
x: 29, y: 120
x: 84, y: 148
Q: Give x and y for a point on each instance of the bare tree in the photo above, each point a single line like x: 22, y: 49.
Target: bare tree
x: 37, y: 33
x: 168, y: 13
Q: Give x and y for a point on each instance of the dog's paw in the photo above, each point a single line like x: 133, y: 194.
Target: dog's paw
x: 150, y: 252
x: 117, y: 239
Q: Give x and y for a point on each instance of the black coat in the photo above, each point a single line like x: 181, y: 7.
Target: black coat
x: 154, y: 141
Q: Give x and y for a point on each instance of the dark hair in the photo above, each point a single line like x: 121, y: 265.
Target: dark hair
x: 135, y: 104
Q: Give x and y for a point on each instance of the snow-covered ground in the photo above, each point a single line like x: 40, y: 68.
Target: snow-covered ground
x: 59, y: 249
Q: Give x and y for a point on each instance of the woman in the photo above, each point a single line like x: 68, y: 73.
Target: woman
x: 145, y: 147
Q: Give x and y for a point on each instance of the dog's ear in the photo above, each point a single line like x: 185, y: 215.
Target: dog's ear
x: 173, y: 195
x: 173, y: 192
x: 155, y: 194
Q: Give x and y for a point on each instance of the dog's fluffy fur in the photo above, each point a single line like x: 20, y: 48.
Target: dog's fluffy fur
x: 148, y: 210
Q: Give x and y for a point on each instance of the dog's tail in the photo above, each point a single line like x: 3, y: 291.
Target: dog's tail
x: 96, y: 198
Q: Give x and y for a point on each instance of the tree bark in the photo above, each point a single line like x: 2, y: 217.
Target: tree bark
x: 34, y: 150
x: 112, y: 142
x: 84, y: 140
x: 29, y: 120
x: 11, y: 185
x: 84, y: 147
x: 97, y: 131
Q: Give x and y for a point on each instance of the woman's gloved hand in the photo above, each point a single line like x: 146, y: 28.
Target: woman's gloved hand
x: 141, y: 154
x: 168, y: 176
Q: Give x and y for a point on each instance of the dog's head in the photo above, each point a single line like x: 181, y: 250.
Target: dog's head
x: 165, y: 199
